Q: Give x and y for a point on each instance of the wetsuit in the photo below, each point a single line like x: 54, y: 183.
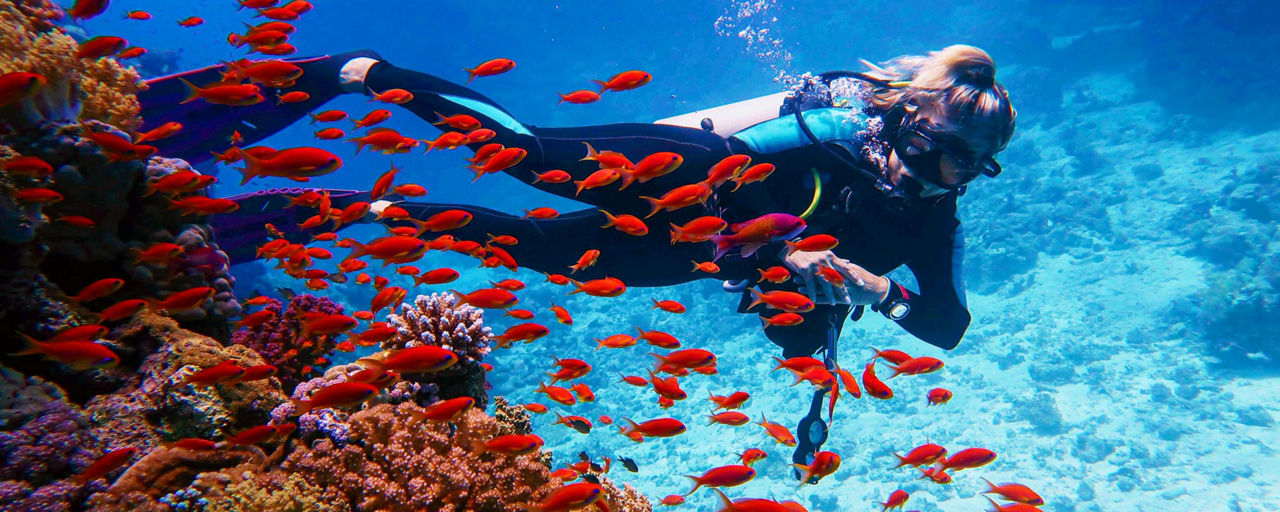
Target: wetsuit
x: 878, y: 232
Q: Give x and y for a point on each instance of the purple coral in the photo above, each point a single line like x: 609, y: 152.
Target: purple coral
x: 333, y: 423
x: 43, y: 441
x: 434, y: 320
x: 280, y: 341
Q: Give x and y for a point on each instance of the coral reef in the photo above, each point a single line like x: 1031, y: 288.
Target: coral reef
x: 280, y: 341
x: 166, y: 470
x: 151, y: 407
x: 44, y: 440
x: 433, y: 320
x: 78, y: 88
x: 395, y: 463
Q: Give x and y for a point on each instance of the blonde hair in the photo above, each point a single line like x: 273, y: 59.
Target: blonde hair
x: 960, y: 81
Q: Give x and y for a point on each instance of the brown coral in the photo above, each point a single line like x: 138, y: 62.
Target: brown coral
x: 107, y: 90
x: 165, y: 470
x: 397, y: 464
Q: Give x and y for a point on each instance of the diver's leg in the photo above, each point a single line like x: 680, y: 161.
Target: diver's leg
x: 561, y: 148
x: 207, y: 127
x: 241, y: 232
x: 551, y: 245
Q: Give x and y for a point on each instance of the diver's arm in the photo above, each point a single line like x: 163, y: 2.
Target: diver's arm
x: 937, y: 314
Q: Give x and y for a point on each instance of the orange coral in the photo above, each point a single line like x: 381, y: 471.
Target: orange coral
x: 107, y: 90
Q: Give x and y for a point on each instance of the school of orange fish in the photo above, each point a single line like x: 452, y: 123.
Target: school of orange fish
x: 405, y: 244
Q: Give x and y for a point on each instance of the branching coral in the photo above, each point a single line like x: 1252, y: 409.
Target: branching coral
x: 433, y: 320
x: 281, y: 343
x: 107, y: 90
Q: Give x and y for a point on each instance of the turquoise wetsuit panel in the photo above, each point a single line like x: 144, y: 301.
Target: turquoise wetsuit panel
x: 493, y: 112
x: 785, y: 133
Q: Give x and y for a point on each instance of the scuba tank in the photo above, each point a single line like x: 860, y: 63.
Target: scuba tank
x: 726, y: 120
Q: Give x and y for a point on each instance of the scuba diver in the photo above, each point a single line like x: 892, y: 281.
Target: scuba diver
x: 876, y: 159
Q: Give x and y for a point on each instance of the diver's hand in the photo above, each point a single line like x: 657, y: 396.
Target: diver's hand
x: 860, y: 286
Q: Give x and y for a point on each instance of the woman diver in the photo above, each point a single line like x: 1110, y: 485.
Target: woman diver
x: 882, y: 173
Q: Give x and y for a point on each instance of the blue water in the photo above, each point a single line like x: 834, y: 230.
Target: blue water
x: 1122, y: 272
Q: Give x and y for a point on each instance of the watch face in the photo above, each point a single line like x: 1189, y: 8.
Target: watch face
x: 899, y: 310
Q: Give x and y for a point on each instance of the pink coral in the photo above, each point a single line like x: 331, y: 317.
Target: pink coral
x: 434, y: 320
x: 280, y: 342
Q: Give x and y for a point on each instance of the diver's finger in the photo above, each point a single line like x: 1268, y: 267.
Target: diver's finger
x: 810, y: 289
x: 829, y: 292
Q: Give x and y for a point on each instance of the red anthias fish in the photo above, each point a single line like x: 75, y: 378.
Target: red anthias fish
x: 753, y: 234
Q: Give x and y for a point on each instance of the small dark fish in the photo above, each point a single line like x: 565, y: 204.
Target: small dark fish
x: 287, y: 293
x: 591, y: 478
x: 597, y: 468
x: 582, y: 456
x: 630, y: 464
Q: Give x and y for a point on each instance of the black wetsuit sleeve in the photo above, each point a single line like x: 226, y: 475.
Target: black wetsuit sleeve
x: 938, y: 313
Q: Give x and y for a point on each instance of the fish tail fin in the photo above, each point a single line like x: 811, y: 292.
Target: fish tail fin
x: 654, y: 203
x: 676, y: 233
x: 592, y: 154
x: 902, y: 461
x: 627, y: 179
x: 31, y: 346
x: 358, y: 250
x: 252, y: 167
x: 724, y: 244
x: 471, y: 72
x: 441, y: 116
x: 603, y: 86
x: 759, y: 299
x: 991, y: 487
x: 613, y: 221
x: 728, y: 505
x: 537, y: 178
x: 300, y: 406
x: 193, y: 91
x: 736, y: 184
x: 234, y: 39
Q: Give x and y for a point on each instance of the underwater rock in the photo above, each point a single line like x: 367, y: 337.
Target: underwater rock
x: 1041, y: 411
x: 1055, y: 373
x: 433, y: 320
x: 1090, y: 448
x: 165, y: 470
x: 1254, y: 416
x: 153, y: 405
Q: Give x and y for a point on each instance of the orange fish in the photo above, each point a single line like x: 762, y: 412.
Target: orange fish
x: 293, y: 163
x: 106, y: 463
x: 19, y: 85
x: 29, y: 166
x: 597, y: 179
x: 121, y: 310
x: 372, y: 336
x: 724, y: 476
x: 922, y: 455
x: 422, y: 358
x: 222, y: 373
x: 384, y: 140
x: 607, y: 158
x: 559, y: 279
x: 625, y: 81
x: 709, y: 267
x: 85, y: 9
x: 458, y: 122
x: 446, y: 410
x: 587, y: 259
x: 1016, y: 507
x: 580, y: 97
x: 490, y: 68
x: 437, y: 276
x: 824, y: 463
x: 635, y: 380
x: 502, y: 239
x: 391, y: 249
x: 253, y: 435
x: 896, y: 500
x: 678, y: 198
x: 552, y: 176
x: 579, y: 423
x: 335, y: 395
x: 728, y: 167
x: 668, y: 388
x: 520, y: 314
x: 629, y: 224
x: 330, y: 134
x: 849, y: 382
x: 131, y: 52
x: 938, y: 396
x: 509, y: 284
x: 937, y: 475
x: 79, y: 355
x: 669, y: 306
x: 292, y: 97
x: 98, y: 289
x: 37, y: 195
x: 526, y: 332
x: 687, y: 358
x: 584, y: 392
x: 258, y: 372
x: 571, y: 497
x: 541, y: 213
x: 315, y: 322
x: 1014, y: 492
x: 697, y: 230
x: 752, y: 455
x: 557, y: 394
x: 753, y: 174
x: 665, y: 340
x: 968, y: 458
x: 383, y: 183
x: 445, y: 221
x: 487, y: 298
x: 731, y: 418
x: 615, y: 341
x: 917, y: 365
x: 80, y: 333
x: 480, y: 135
x: 396, y: 96
x: 535, y: 408
x: 874, y: 386
x: 182, y: 300
x: 774, y: 274
x: 661, y: 427
x: 815, y: 243
x: 500, y: 161
x: 778, y: 432
x: 254, y: 319
x: 372, y: 118
x: 328, y: 116
x: 893, y: 356
x: 200, y: 205
x: 234, y: 94
x: 101, y: 46
x: 790, y: 302
x: 606, y: 287
x: 164, y: 131
x: 193, y: 21
x: 193, y: 444
x: 781, y: 320
x: 731, y: 401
